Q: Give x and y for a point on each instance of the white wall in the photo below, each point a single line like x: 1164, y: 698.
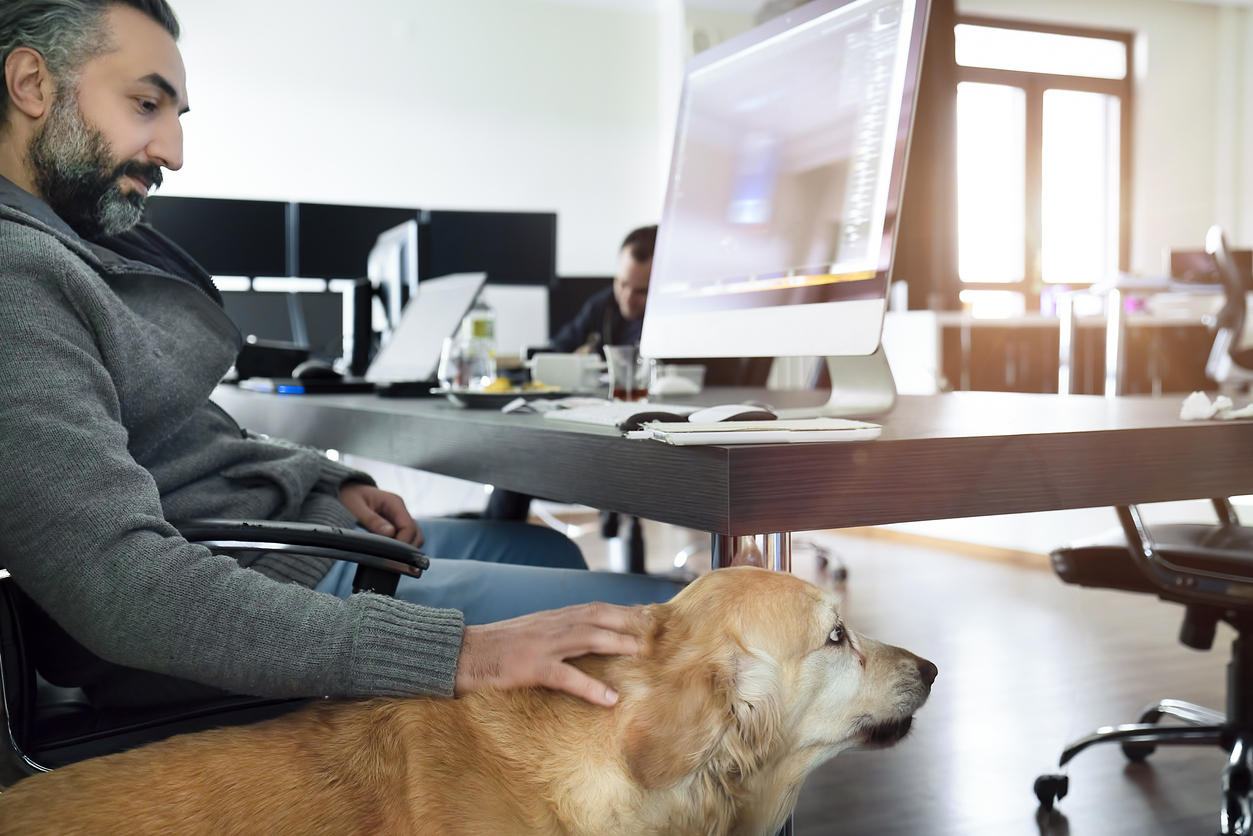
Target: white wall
x: 567, y: 107
x: 1187, y: 147
x: 448, y: 104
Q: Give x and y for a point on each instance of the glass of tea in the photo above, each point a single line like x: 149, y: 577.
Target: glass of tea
x: 625, y: 379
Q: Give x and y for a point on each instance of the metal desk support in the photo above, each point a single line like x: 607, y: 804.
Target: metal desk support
x: 769, y: 551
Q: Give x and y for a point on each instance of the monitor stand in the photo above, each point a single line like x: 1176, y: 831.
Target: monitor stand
x: 861, y: 387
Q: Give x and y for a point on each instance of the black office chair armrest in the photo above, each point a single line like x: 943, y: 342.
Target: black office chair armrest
x: 381, y: 560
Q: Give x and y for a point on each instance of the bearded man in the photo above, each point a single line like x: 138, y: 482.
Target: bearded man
x: 113, y: 341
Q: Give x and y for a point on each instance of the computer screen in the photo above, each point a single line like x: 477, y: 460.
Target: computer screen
x: 319, y: 320
x: 510, y: 247
x: 335, y: 241
x: 778, y: 225
x: 392, y: 267
x: 227, y: 237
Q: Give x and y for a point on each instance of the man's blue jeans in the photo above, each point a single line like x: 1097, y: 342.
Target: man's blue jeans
x: 493, y: 571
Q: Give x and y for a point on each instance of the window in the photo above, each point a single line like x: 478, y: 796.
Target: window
x: 1043, y: 154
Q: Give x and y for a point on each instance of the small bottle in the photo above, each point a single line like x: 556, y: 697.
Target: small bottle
x: 478, y: 330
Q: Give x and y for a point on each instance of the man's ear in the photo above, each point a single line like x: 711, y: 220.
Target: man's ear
x: 30, y: 85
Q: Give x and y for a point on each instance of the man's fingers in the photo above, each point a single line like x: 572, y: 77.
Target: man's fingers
x: 584, y: 639
x: 393, y: 509
x: 573, y: 681
x: 374, y: 523
x: 608, y: 616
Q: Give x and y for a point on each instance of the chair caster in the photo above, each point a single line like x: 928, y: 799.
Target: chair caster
x: 1050, y: 788
x: 838, y: 571
x: 1138, y: 752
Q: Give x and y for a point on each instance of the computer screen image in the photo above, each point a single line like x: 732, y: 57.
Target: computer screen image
x: 510, y: 247
x: 227, y: 237
x: 320, y: 320
x: 777, y: 231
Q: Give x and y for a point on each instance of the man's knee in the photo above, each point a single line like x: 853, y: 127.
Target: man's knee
x: 556, y: 549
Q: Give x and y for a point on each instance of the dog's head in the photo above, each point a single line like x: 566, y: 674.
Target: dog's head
x: 748, y: 680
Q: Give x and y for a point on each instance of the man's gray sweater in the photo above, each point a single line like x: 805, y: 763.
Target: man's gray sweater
x: 107, y: 432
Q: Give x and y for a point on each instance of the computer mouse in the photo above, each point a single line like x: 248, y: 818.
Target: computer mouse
x: 731, y: 412
x: 316, y: 370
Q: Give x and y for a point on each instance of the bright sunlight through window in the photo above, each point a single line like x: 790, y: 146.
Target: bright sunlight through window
x: 1039, y: 52
x: 991, y: 179
x: 1079, y: 233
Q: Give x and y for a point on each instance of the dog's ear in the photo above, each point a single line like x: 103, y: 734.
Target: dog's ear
x: 754, y: 701
x: 680, y: 709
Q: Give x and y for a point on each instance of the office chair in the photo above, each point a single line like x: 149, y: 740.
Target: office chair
x: 46, y: 726
x: 1208, y: 569
x: 1230, y: 362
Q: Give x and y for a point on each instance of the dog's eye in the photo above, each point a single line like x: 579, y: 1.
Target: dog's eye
x: 837, y: 635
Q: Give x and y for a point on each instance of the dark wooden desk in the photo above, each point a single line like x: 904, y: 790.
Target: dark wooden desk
x: 942, y: 456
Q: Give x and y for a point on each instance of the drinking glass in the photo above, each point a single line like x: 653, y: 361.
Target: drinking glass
x: 454, y: 365
x: 625, y: 379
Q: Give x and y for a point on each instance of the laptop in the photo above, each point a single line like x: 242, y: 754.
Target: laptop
x: 407, y: 363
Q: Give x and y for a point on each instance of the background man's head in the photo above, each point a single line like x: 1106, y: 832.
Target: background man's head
x: 93, y: 94
x: 635, y: 268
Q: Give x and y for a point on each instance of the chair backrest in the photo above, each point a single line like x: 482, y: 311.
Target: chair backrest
x: 17, y: 681
x: 48, y: 722
x: 1234, y: 284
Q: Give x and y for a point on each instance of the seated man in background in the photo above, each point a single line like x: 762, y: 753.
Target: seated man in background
x: 614, y: 316
x: 114, y: 341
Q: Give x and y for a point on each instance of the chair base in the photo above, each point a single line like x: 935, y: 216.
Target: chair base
x: 1202, y: 727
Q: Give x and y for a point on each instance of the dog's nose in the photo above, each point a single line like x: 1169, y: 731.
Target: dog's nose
x: 927, y: 671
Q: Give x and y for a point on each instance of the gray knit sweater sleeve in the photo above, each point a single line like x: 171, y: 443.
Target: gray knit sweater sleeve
x: 82, y: 528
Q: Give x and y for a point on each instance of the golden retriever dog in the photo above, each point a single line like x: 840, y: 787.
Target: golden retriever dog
x: 746, y: 681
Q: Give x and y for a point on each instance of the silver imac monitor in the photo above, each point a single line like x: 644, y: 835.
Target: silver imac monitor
x: 779, y: 221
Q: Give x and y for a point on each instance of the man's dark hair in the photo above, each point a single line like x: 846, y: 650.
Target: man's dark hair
x: 67, y: 33
x: 641, y: 243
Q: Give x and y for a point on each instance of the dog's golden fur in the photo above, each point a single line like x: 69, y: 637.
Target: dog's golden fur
x: 740, y: 690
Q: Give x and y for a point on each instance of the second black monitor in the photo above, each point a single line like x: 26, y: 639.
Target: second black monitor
x: 511, y: 247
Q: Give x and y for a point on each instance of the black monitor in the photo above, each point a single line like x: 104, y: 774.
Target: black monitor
x: 511, y: 247
x: 335, y: 241
x: 262, y: 314
x: 227, y: 237
x: 567, y: 297
x: 321, y: 321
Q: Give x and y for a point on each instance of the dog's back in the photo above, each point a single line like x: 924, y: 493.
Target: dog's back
x: 698, y: 743
x: 476, y: 765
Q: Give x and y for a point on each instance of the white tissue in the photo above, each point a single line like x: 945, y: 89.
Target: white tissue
x: 1198, y: 407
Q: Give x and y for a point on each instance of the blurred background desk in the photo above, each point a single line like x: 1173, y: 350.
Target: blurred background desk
x: 943, y: 456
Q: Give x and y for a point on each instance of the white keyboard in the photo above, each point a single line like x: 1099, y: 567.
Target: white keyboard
x: 614, y: 413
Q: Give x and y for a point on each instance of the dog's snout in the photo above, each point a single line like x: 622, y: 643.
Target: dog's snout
x: 927, y: 671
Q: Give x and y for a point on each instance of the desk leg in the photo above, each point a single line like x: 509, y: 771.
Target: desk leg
x: 770, y: 551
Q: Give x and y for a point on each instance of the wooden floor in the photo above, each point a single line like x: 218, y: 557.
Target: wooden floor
x: 1027, y: 664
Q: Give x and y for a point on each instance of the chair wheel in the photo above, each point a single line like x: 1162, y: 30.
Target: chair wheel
x: 1138, y: 752
x: 1050, y: 788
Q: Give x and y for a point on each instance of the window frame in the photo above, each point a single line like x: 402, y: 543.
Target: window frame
x: 1034, y: 84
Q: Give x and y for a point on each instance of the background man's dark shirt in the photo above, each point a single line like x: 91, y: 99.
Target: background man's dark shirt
x: 600, y: 322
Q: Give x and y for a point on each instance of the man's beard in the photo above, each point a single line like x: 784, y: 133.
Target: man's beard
x: 74, y: 171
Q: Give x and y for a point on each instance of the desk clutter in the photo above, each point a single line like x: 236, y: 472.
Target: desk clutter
x: 686, y: 424
x: 1198, y: 407
x: 796, y: 430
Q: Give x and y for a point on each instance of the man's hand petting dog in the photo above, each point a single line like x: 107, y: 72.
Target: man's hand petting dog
x: 532, y: 650
x: 380, y: 512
